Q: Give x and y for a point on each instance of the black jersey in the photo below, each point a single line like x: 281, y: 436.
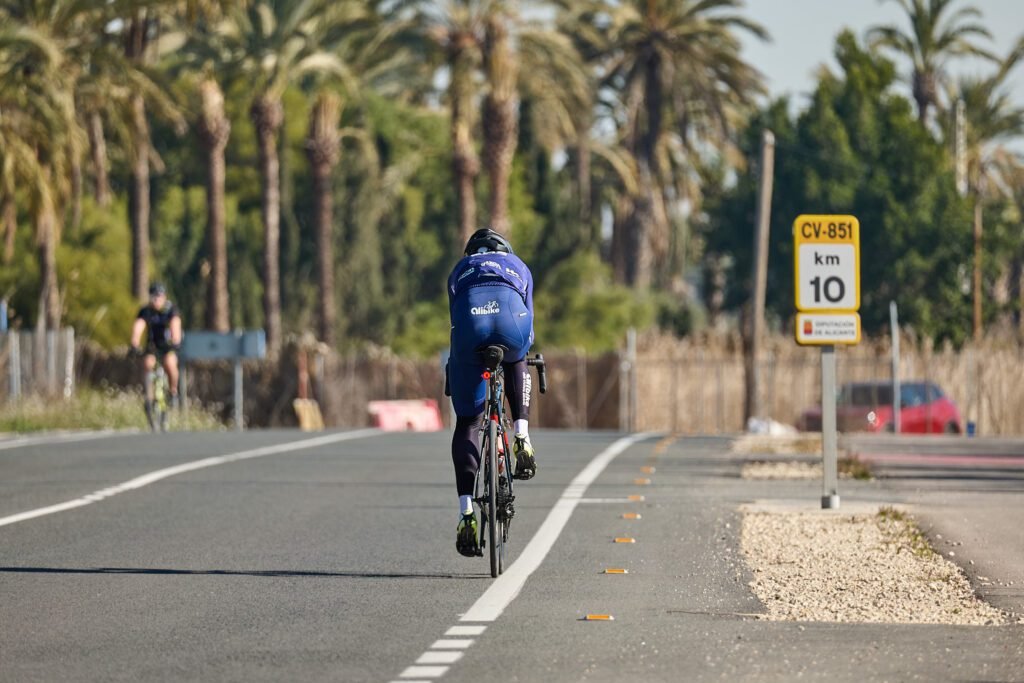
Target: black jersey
x: 158, y: 324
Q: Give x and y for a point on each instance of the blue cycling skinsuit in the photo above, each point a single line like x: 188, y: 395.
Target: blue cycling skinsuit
x: 490, y: 301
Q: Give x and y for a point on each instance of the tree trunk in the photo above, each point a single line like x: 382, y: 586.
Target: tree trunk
x: 500, y: 124
x: 267, y: 115
x: 76, y: 191
x: 138, y: 191
x: 323, y: 148
x: 650, y: 226
x: 138, y: 200
x: 583, y: 190
x: 214, y: 130
x: 9, y: 217
x: 977, y: 268
x: 98, y: 151
x: 49, y: 294
x: 465, y: 164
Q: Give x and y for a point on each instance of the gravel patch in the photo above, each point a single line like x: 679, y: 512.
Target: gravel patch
x: 796, y: 444
x: 863, y: 567
x: 782, y: 470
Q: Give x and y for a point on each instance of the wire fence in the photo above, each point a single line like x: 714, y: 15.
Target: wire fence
x: 694, y: 386
x: 37, y: 364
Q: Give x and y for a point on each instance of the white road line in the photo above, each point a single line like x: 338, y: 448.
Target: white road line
x: 506, y: 587
x: 424, y: 672
x: 466, y: 631
x: 455, y: 644
x: 20, y: 441
x: 431, y: 657
x: 151, y: 477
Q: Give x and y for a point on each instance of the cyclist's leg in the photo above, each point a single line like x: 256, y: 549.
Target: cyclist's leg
x: 468, y: 392
x: 148, y: 365
x: 514, y: 329
x: 170, y: 361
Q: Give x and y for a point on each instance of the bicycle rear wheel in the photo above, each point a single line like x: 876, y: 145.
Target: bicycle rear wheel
x: 493, y: 525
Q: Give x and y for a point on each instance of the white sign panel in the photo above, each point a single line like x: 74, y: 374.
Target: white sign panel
x: 827, y: 328
x: 828, y: 277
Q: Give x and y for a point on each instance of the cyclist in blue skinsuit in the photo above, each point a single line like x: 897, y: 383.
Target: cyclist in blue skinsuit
x: 490, y: 301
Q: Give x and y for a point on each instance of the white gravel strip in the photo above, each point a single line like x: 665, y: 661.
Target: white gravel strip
x: 782, y: 470
x: 863, y: 567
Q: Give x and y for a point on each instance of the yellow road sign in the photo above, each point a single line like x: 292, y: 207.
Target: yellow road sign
x: 826, y: 263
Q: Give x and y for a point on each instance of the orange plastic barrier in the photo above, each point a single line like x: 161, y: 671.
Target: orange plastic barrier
x: 406, y: 416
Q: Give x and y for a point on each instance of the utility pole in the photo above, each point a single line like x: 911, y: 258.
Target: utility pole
x: 960, y: 150
x: 752, y: 405
x: 962, y: 187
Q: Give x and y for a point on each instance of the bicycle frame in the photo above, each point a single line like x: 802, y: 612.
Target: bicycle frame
x: 496, y: 491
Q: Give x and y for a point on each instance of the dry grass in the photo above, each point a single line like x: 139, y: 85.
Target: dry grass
x: 696, y: 385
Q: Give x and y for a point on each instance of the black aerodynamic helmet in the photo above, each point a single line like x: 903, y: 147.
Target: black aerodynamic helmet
x: 486, y: 239
x: 157, y: 288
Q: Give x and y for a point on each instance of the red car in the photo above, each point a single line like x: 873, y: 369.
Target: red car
x: 867, y: 406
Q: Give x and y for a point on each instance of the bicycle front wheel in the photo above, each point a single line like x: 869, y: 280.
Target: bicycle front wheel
x: 493, y: 530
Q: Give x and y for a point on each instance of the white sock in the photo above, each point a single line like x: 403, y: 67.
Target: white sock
x: 522, y: 427
x: 466, y: 505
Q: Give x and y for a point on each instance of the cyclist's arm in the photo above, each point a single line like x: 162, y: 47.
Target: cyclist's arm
x: 176, y: 330
x: 137, y: 331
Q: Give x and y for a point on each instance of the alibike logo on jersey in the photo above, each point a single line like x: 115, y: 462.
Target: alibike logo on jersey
x: 490, y: 308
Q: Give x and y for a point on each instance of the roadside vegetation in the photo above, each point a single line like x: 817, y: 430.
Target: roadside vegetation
x: 304, y: 166
x: 91, y: 408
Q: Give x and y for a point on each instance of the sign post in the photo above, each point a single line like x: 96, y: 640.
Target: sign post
x: 234, y: 346
x: 826, y: 260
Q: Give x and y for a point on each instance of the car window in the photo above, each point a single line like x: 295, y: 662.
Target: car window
x: 865, y: 395
x: 913, y: 395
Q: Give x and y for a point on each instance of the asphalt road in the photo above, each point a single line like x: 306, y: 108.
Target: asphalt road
x: 335, y: 562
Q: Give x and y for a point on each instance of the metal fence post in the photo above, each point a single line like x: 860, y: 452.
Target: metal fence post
x: 69, y: 362
x: 51, y: 360
x: 14, y: 341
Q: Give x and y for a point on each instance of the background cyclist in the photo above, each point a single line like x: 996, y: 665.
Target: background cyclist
x: 160, y: 322
x: 490, y: 301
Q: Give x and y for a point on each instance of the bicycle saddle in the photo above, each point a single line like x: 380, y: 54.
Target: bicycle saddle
x: 492, y: 356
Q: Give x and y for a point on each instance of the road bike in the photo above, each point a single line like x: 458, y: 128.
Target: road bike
x: 157, y: 390
x: 493, y: 487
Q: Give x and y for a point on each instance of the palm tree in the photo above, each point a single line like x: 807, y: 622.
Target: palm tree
x: 323, y: 148
x: 273, y: 45
x: 931, y: 41
x: 678, y: 79
x: 40, y: 139
x: 492, y: 52
x: 214, y: 129
x: 991, y: 121
x: 455, y: 28
x: 141, y: 24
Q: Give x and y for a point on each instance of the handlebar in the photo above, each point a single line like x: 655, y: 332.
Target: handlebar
x: 538, y: 363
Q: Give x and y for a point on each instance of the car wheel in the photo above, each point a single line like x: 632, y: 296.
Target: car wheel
x: 952, y: 428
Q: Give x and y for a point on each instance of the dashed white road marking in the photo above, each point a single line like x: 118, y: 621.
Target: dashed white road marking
x: 157, y: 475
x: 453, y: 644
x: 465, y: 631
x: 446, y: 657
x: 506, y: 587
x: 424, y: 672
